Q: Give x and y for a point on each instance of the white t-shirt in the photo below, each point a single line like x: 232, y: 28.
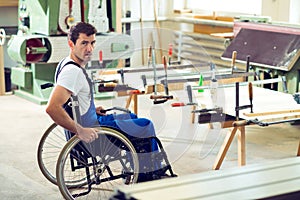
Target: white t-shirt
x: 73, y: 79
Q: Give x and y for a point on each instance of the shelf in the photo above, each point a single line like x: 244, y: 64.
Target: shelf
x: 11, y: 3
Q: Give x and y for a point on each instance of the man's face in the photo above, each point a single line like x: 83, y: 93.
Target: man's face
x: 83, y: 48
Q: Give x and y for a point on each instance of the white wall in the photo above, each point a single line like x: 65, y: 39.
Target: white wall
x: 144, y: 37
x: 294, y: 12
x: 279, y: 10
x: 235, y: 6
x: 164, y: 7
x: 282, y: 10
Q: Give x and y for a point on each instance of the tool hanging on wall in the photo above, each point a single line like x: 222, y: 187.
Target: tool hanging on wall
x: 98, y: 15
x: 70, y: 18
x: 70, y: 13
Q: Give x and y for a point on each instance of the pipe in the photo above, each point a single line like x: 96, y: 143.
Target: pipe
x: 188, y: 20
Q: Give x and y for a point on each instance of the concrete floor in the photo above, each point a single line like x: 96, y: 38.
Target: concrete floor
x: 192, y: 148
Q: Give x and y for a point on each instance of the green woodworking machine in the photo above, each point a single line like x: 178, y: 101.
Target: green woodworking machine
x: 41, y: 41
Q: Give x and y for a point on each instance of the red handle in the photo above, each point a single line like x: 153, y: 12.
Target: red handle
x: 170, y: 50
x: 70, y: 6
x: 100, y: 56
x: 134, y: 92
x: 177, y: 104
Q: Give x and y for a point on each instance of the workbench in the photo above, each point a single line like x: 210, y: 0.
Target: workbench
x: 278, y: 179
x: 269, y: 107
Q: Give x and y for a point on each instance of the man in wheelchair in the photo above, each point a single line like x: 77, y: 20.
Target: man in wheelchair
x: 72, y: 81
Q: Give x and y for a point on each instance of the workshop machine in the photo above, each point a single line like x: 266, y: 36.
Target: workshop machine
x: 273, y: 50
x: 41, y: 41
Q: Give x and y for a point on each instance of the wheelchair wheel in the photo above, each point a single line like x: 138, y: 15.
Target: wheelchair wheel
x: 51, y: 143
x: 109, y: 161
x: 50, y: 146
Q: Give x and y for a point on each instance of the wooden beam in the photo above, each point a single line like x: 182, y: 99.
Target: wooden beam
x: 298, y: 154
x: 271, y: 113
x: 2, y: 72
x: 193, y: 114
x: 10, y: 3
x: 242, y: 146
x: 118, y: 16
x: 223, y: 150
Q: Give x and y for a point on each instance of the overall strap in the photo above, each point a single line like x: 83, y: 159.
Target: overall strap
x: 83, y: 70
x: 74, y: 109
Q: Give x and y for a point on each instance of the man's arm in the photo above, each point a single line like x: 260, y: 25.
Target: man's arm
x: 59, y: 96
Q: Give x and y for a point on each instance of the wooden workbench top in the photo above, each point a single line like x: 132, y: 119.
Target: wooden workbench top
x: 264, y: 100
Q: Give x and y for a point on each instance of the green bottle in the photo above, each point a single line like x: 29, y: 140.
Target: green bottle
x: 200, y: 83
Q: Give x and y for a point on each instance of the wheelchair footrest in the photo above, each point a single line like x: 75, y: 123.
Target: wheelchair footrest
x: 156, y: 175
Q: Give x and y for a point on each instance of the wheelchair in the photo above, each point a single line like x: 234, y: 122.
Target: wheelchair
x: 94, y: 170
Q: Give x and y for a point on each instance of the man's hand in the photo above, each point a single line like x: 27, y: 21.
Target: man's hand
x: 98, y: 110
x: 86, y: 134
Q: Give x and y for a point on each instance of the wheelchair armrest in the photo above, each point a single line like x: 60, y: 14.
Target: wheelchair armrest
x: 116, y: 108
x: 46, y: 85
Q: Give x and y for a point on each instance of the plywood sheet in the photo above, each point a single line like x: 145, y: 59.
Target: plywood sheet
x: 267, y: 48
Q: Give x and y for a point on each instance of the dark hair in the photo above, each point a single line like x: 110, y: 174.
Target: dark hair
x: 81, y: 27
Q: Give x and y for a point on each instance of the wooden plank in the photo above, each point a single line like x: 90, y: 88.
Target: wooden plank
x: 223, y: 35
x: 270, y: 113
x: 215, y: 17
x: 135, y: 103
x: 181, y: 11
x: 282, y: 118
x: 209, y: 29
x: 298, y: 154
x: 212, y: 28
x: 2, y: 72
x: 193, y: 114
x: 10, y: 3
x: 118, y: 16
